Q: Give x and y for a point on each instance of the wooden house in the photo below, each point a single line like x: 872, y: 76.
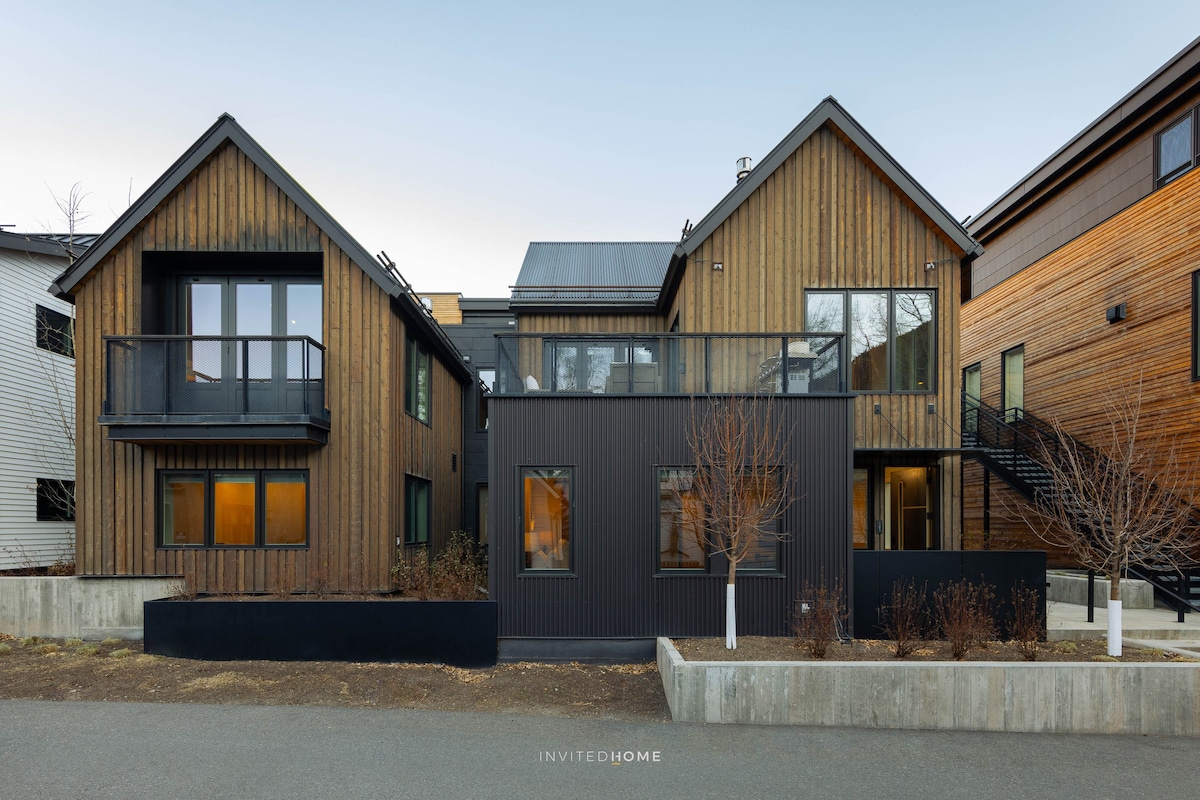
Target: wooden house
x: 828, y: 280
x: 262, y: 406
x: 1089, y: 285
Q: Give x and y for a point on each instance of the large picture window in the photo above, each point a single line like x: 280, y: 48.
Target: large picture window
x: 547, y: 518
x: 417, y: 379
x: 890, y: 335
x: 233, y: 508
x: 681, y: 536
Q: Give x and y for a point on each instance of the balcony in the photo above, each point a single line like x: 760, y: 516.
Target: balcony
x: 671, y: 364
x: 253, y: 389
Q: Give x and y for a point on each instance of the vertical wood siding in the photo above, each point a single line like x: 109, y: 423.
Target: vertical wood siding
x: 588, y: 323
x: 1075, y: 359
x: 355, y: 501
x: 614, y: 447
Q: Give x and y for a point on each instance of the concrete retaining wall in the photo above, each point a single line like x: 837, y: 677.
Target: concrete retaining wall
x: 87, y: 608
x: 1072, y: 588
x: 1161, y: 699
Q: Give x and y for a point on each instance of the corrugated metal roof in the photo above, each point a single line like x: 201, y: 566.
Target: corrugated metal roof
x: 574, y: 273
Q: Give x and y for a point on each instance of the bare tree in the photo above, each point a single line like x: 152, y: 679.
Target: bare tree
x: 741, y: 485
x: 1125, y: 502
x: 70, y: 207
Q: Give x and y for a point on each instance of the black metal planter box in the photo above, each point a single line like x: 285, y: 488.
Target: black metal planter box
x: 461, y: 633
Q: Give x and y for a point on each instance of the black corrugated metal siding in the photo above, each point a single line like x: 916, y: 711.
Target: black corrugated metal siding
x: 614, y: 446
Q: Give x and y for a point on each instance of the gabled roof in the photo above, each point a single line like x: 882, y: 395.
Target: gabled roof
x: 620, y: 274
x: 226, y: 129
x: 831, y: 112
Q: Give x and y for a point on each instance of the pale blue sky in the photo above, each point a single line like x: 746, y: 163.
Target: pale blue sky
x: 452, y: 134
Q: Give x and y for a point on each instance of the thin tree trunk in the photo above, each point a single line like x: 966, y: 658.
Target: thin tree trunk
x: 730, y: 610
x: 1114, y: 612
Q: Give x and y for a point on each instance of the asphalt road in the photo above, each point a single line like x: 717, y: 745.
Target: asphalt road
x: 55, y: 750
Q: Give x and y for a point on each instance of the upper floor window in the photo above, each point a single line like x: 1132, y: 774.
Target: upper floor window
x: 890, y: 335
x: 417, y: 379
x: 1174, y: 150
x: 55, y: 331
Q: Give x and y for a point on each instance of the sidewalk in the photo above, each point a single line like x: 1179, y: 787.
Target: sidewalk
x: 1147, y: 627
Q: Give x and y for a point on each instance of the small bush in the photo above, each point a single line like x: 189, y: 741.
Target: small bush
x: 1026, y: 625
x: 183, y: 589
x: 87, y: 650
x: 318, y: 582
x: 30, y: 641
x: 122, y: 653
x: 1105, y: 658
x: 819, y: 617
x: 1066, y: 647
x: 904, y: 619
x: 458, y: 572
x: 963, y: 612
x: 5, y: 648
x: 111, y: 642
x: 46, y: 648
x: 72, y: 642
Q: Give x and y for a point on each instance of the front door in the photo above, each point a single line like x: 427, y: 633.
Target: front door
x: 908, y: 493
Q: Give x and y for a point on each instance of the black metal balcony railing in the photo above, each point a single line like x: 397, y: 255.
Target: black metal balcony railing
x: 214, y: 379
x: 792, y: 363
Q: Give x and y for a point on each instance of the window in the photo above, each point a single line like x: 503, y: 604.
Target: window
x: 233, y: 508
x: 487, y: 380
x: 681, y: 535
x: 972, y: 389
x: 1196, y: 326
x: 1174, y: 150
x: 481, y: 511
x: 890, y: 335
x: 416, y: 510
x: 55, y: 500
x: 1012, y: 389
x: 54, y: 331
x: 547, y: 518
x: 416, y: 381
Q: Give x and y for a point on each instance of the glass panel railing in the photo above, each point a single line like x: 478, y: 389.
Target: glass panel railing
x: 214, y: 375
x: 669, y: 364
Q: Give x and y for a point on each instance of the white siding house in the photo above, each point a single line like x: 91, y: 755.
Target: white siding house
x: 37, y: 405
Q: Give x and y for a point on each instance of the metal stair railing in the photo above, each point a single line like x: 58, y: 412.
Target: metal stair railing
x: 1013, y: 443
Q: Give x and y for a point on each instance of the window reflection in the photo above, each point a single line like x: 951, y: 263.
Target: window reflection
x: 547, y: 519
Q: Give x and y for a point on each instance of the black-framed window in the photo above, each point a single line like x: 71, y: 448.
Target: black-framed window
x: 55, y: 500
x: 417, y: 379
x: 681, y: 542
x: 546, y: 518
x: 972, y: 393
x: 1196, y: 325
x: 891, y: 335
x: 487, y: 380
x: 1175, y: 149
x: 1012, y: 382
x: 682, y: 545
x: 54, y: 331
x: 416, y: 510
x: 233, y: 508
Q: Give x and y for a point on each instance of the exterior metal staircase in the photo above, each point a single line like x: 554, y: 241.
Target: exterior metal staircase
x: 1010, y: 444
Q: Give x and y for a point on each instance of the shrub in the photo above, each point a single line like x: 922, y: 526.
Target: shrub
x: 122, y: 653
x: 30, y: 641
x: 182, y: 589
x: 111, y: 642
x: 87, y: 650
x: 458, y: 572
x: 5, y: 648
x: 904, y: 620
x: 46, y: 648
x: 963, y: 612
x: 819, y: 617
x: 1026, y: 626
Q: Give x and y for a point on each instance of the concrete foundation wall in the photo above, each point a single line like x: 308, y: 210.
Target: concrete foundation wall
x: 87, y: 608
x: 1072, y: 588
x: 1159, y: 699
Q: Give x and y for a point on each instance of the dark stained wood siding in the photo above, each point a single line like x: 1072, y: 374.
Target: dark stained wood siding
x: 1074, y: 359
x: 614, y: 447
x: 355, y: 496
x: 572, y: 322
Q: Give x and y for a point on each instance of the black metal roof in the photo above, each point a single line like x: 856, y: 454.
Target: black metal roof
x: 592, y: 273
x: 48, y: 244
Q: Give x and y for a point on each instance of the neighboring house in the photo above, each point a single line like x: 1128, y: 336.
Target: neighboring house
x: 37, y: 403
x: 1090, y: 279
x: 472, y: 324
x: 262, y: 405
x: 828, y: 279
